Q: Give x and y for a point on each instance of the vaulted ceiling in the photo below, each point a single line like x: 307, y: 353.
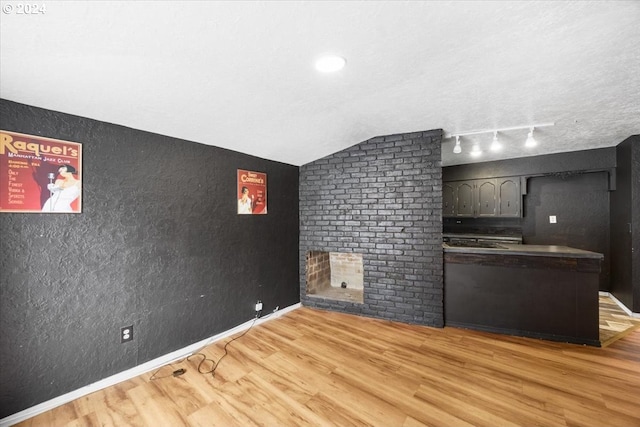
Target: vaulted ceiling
x: 240, y: 75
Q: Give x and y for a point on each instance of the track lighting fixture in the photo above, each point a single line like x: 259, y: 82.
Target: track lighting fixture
x: 457, y: 149
x: 531, y: 142
x: 495, y: 143
x: 475, y: 151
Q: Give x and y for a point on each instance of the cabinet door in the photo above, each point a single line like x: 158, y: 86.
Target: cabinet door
x: 448, y: 199
x: 464, y: 202
x: 486, y: 201
x: 509, y: 197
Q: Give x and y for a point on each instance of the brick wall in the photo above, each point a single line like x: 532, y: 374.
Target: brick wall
x: 346, y: 267
x: 318, y: 271
x: 381, y: 198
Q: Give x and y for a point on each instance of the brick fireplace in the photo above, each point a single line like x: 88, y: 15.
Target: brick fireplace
x: 335, y: 275
x: 380, y: 200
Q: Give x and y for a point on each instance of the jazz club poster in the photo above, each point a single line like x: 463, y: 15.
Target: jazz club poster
x: 39, y: 174
x: 252, y: 192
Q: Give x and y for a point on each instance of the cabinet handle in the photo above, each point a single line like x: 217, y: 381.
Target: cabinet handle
x: 508, y: 203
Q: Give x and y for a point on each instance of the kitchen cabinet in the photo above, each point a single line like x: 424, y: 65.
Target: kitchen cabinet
x: 485, y: 197
x: 448, y: 199
x: 509, y: 197
x: 477, y: 198
x: 465, y: 198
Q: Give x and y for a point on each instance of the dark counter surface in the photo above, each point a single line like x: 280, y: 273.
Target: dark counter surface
x: 529, y: 250
x: 516, y: 239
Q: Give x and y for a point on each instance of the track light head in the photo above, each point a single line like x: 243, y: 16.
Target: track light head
x: 457, y: 149
x: 495, y: 144
x: 531, y: 141
x: 475, y: 151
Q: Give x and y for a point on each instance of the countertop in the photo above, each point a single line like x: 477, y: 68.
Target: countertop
x: 529, y: 250
x: 482, y: 236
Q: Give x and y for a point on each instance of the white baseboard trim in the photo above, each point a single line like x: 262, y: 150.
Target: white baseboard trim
x: 135, y: 371
x: 620, y: 304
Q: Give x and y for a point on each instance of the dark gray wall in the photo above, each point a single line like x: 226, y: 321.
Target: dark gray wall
x: 573, y: 186
x: 158, y: 245
x: 381, y: 198
x: 580, y: 203
x: 635, y: 223
x: 625, y: 224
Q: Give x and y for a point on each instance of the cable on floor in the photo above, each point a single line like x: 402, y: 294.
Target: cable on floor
x: 212, y: 371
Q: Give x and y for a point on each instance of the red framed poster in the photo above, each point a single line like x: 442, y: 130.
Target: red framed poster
x: 39, y: 174
x: 252, y: 192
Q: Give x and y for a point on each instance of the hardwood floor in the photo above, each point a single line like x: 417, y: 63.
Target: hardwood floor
x: 614, y: 322
x: 317, y: 368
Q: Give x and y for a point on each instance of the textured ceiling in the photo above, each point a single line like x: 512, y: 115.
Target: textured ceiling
x: 240, y: 75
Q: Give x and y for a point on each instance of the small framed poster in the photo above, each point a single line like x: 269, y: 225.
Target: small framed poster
x: 39, y: 174
x: 252, y: 192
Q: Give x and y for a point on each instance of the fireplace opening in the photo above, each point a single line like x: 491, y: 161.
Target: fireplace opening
x: 335, y: 275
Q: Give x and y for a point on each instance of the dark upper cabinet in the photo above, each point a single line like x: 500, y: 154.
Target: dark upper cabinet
x: 465, y: 198
x: 509, y: 197
x: 491, y: 197
x: 448, y: 199
x: 485, y: 197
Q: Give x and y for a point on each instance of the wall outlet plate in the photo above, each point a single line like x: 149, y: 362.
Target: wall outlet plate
x: 552, y: 219
x: 259, y: 306
x: 126, y: 334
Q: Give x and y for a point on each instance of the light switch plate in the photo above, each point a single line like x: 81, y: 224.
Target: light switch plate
x: 552, y: 219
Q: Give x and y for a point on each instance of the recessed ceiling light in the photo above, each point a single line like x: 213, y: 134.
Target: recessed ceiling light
x: 330, y: 63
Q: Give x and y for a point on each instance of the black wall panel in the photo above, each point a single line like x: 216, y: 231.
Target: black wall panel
x: 625, y: 224
x: 580, y: 203
x: 158, y: 245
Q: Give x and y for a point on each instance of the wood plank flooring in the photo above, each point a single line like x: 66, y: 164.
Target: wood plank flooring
x: 317, y: 368
x: 614, y: 322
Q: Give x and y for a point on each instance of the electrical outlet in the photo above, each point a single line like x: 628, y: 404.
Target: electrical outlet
x: 126, y: 334
x: 552, y: 219
x: 259, y: 306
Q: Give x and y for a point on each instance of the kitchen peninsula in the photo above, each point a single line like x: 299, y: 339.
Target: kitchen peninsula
x: 537, y: 291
